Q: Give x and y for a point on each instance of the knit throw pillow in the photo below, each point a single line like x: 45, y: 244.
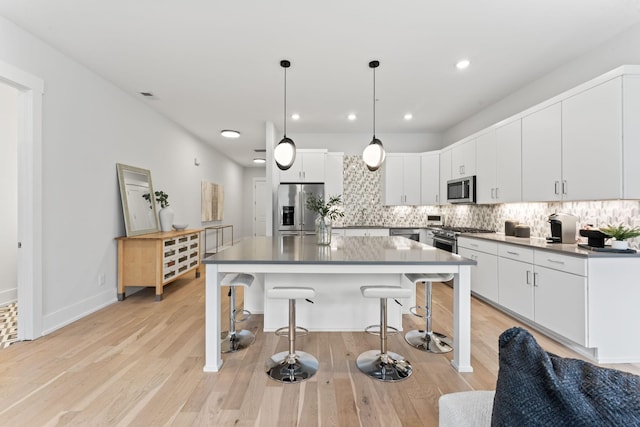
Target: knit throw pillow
x: 536, y: 388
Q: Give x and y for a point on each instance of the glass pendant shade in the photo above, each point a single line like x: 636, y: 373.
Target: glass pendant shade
x: 285, y: 153
x: 374, y: 155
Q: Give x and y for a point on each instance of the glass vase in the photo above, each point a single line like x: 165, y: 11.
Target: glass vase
x: 323, y: 231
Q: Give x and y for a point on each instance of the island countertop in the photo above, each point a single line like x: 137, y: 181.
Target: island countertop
x: 336, y: 272
x: 350, y: 250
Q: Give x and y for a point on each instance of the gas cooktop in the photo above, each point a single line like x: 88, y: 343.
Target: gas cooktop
x: 464, y: 229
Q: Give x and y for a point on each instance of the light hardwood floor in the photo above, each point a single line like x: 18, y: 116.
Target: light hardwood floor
x: 139, y: 362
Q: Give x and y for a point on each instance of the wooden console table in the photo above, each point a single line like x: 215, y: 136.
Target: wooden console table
x: 157, y: 259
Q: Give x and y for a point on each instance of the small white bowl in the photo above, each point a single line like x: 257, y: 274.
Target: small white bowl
x: 180, y: 227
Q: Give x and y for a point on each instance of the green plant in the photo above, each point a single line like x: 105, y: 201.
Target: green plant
x: 330, y: 209
x: 161, y: 197
x: 620, y: 232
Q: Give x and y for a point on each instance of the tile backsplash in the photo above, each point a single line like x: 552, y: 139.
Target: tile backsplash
x: 362, y: 206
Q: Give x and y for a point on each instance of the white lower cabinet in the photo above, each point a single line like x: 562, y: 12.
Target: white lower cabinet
x: 561, y: 303
x: 545, y: 287
x: 484, y: 275
x: 516, y: 286
x: 366, y: 232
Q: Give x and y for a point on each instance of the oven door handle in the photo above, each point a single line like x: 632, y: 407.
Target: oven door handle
x: 443, y: 240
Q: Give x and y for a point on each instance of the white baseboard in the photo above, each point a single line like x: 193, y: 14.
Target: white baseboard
x: 58, y: 319
x: 8, y: 296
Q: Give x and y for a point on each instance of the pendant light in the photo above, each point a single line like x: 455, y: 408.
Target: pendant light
x: 373, y: 154
x: 285, y: 152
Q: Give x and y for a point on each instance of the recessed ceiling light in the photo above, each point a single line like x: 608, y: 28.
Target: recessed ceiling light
x: 227, y: 133
x: 259, y: 160
x: 352, y: 117
x: 462, y: 64
x: 295, y: 116
x: 408, y: 116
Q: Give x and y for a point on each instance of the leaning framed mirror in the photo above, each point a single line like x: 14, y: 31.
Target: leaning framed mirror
x: 138, y: 202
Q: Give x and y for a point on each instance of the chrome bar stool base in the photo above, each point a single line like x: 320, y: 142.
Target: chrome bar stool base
x: 428, y: 340
x: 291, y: 366
x: 389, y: 367
x: 238, y: 341
x: 433, y: 342
x: 302, y: 366
x: 383, y: 365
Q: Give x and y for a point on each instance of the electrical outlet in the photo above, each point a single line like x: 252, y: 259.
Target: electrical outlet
x: 101, y: 279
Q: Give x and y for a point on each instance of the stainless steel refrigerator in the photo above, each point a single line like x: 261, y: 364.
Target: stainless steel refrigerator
x: 293, y: 216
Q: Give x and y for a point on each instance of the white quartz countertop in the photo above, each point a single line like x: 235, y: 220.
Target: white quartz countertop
x: 342, y: 251
x: 540, y: 243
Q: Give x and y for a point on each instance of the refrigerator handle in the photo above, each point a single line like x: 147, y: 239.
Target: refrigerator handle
x: 302, y: 208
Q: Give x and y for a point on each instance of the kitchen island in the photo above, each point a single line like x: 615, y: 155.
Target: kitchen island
x: 336, y: 272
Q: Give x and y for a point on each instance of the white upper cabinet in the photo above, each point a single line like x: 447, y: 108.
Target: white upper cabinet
x: 498, y: 165
x: 631, y: 134
x: 445, y: 174
x: 463, y: 159
x: 486, y: 165
x: 401, y: 179
x: 509, y: 162
x: 592, y: 143
x: 430, y: 178
x: 334, y: 180
x: 542, y: 155
x: 309, y: 166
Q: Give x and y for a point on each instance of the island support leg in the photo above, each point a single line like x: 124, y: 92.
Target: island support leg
x: 462, y: 320
x: 213, y: 357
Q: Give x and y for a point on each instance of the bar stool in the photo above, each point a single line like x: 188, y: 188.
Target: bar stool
x: 384, y: 365
x: 291, y: 366
x: 427, y: 340
x: 236, y: 340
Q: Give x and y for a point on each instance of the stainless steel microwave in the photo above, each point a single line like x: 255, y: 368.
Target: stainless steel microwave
x: 462, y: 190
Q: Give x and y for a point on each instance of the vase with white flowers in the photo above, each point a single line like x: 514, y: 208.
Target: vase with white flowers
x: 327, y: 212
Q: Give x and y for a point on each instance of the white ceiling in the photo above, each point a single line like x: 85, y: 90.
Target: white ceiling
x: 214, y: 64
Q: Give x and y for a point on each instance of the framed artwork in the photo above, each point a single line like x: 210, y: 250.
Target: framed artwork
x: 212, y: 202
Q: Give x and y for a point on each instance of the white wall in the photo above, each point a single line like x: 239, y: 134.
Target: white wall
x: 9, y: 192
x: 88, y: 126
x: 620, y: 50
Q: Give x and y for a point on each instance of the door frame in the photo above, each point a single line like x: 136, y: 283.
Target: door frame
x: 30, y: 93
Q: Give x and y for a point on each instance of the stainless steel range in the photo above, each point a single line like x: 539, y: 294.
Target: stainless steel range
x: 446, y: 237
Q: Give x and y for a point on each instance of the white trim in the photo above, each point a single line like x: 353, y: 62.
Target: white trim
x: 31, y: 90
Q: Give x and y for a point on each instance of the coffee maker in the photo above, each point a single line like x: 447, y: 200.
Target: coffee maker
x: 563, y: 228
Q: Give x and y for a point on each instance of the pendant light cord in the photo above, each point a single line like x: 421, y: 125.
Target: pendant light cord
x: 285, y: 101
x: 374, y: 103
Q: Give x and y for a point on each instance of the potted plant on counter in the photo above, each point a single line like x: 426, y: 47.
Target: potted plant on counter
x: 327, y: 213
x: 620, y: 233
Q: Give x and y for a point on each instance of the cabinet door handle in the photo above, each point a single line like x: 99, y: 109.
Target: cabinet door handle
x: 437, y: 198
x: 497, y: 188
x: 528, y: 277
x: 493, y: 193
x: 535, y: 279
x: 556, y: 187
x: 564, y: 187
x: 555, y: 261
x: 513, y: 253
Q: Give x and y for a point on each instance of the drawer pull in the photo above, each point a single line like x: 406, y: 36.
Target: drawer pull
x: 555, y: 262
x: 475, y: 245
x: 513, y: 253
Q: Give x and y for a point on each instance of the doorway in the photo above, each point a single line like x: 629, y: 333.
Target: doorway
x: 28, y: 240
x: 260, y: 194
x: 9, y: 213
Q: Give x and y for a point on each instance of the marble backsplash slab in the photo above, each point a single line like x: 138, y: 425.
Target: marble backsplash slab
x: 363, y: 206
